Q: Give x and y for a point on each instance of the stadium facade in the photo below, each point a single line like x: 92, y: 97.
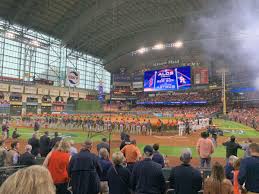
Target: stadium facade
x: 33, y: 73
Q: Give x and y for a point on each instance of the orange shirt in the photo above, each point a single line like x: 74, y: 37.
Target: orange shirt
x: 58, y: 165
x: 235, y: 182
x: 131, y: 153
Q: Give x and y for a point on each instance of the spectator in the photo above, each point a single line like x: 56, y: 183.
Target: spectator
x: 205, y: 148
x: 118, y: 176
x: 5, y: 130
x: 55, y: 146
x: 45, y: 144
x: 73, y: 149
x: 217, y: 183
x: 32, y: 180
x: 245, y: 147
x: 84, y: 171
x: 157, y: 157
x: 105, y: 164
x: 184, y: 178
x: 132, y: 154
x: 231, y: 147
x: 235, y: 176
x: 12, y: 156
x: 3, y: 152
x: 147, y: 176
x: 54, y: 140
x: 57, y: 163
x: 103, y: 144
x: 15, y: 134
x: 36, y: 126
x: 249, y: 170
x: 124, y: 136
x: 27, y: 158
x: 125, y: 140
x: 229, y: 168
x: 35, y: 144
x: 214, y: 139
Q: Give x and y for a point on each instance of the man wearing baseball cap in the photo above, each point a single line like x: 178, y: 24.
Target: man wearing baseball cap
x: 184, y: 178
x: 147, y: 176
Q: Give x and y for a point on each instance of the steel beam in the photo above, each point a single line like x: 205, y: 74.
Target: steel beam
x: 88, y: 16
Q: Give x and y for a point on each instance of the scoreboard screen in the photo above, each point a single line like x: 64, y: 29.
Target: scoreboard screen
x: 169, y: 79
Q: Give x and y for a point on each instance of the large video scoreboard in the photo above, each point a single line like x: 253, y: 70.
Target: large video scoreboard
x: 167, y: 79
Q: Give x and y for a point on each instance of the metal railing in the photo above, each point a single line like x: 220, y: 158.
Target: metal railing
x: 5, y: 172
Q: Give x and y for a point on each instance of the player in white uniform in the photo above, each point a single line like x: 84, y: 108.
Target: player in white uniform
x: 181, y: 127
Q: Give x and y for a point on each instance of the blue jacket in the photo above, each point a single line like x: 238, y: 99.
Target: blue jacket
x: 185, y: 179
x: 118, y: 180
x: 147, y: 178
x: 228, y: 172
x: 158, y: 158
x: 84, y: 170
x: 249, y: 174
x: 105, y: 164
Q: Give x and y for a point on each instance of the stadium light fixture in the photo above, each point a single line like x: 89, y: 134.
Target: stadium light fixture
x: 178, y: 44
x: 142, y: 50
x: 158, y: 46
x: 10, y: 35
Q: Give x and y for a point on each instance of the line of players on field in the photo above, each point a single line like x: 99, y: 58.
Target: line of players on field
x: 128, y: 124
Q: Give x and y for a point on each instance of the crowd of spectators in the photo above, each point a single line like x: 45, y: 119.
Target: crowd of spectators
x: 197, y: 110
x: 130, y: 169
x: 247, y: 116
x: 187, y: 96
x: 247, y: 96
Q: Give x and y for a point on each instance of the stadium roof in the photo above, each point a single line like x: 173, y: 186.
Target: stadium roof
x: 108, y: 28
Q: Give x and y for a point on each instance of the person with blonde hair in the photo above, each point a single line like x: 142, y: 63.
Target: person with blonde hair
x: 118, y: 176
x: 57, y: 163
x: 105, y: 164
x: 217, y: 182
x: 35, y: 179
x: 229, y: 168
x: 73, y: 149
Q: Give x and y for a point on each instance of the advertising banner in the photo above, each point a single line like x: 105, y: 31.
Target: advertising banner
x: 64, y: 93
x: 81, y: 95
x: 4, y: 87
x: 73, y: 77
x: 121, y: 78
x: 16, y: 88
x: 201, y: 75
x: 30, y: 90
x: 174, y: 103
x: 53, y: 92
x: 73, y: 94
x: 137, y: 84
x: 43, y: 91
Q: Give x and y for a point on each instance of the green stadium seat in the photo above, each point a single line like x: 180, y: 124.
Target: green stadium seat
x: 40, y: 160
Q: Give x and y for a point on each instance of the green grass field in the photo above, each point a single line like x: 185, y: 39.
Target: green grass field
x: 77, y: 136
x: 233, y: 127
x: 220, y: 151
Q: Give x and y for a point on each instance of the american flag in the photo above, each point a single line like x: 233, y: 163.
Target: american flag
x: 151, y: 82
